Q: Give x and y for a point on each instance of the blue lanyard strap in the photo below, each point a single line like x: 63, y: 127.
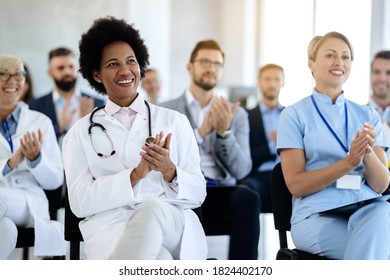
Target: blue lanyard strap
x: 8, y: 135
x: 345, y: 148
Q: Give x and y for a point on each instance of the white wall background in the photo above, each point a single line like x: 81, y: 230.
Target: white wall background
x: 244, y: 28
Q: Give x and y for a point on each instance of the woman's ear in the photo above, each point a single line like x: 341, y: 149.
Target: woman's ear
x: 97, y: 77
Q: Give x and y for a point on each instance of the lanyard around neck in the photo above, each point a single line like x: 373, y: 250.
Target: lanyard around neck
x: 345, y: 148
x: 8, y: 135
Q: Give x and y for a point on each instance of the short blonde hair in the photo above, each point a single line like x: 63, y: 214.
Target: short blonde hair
x: 317, y: 42
x: 8, y: 60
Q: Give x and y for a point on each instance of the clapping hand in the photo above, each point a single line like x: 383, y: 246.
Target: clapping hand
x: 157, y: 156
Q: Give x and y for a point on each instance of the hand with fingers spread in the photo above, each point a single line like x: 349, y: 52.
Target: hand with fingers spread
x: 157, y: 156
x: 207, y: 125
x: 222, y: 114
x: 30, y: 144
x: 86, y: 105
x: 66, y: 116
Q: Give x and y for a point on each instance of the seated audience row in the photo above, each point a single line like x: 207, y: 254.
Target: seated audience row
x: 155, y: 165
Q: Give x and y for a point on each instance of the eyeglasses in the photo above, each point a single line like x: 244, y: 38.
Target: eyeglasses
x: 19, y: 76
x: 207, y: 63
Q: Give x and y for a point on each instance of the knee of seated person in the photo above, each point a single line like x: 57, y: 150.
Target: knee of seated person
x: 3, y: 205
x: 150, y: 205
x: 381, y: 210
x: 8, y: 231
x: 247, y: 198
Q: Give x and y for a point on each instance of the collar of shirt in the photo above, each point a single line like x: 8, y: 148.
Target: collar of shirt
x: 137, y: 106
x: 126, y: 115
x: 13, y: 120
x: 375, y: 105
x: 324, y: 99
x: 196, y: 111
x: 265, y: 110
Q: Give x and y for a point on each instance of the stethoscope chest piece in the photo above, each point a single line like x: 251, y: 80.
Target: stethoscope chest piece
x: 149, y: 141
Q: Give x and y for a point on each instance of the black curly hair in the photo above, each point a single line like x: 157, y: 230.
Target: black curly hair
x: 103, y: 32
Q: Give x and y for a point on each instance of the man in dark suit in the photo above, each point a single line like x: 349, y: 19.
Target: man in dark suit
x: 65, y: 104
x: 263, y: 121
x: 222, y: 133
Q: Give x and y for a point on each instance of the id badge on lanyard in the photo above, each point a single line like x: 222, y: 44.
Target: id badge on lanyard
x: 351, y: 182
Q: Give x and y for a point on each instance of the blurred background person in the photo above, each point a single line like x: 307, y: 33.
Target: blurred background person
x: 66, y: 103
x: 380, y: 84
x: 151, y: 84
x: 28, y: 89
x: 263, y: 122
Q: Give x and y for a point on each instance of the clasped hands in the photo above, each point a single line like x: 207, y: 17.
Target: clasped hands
x: 155, y: 157
x: 363, y: 144
x: 219, y: 117
x: 30, y: 147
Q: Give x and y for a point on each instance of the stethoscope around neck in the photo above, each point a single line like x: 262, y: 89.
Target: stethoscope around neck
x: 93, y: 124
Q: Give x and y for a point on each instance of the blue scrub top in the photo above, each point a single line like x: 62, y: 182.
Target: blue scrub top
x: 301, y: 127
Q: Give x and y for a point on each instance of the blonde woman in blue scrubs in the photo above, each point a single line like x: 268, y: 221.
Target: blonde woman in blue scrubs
x: 332, y: 153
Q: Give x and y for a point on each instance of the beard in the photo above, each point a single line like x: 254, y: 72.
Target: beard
x: 204, y: 85
x: 65, y: 86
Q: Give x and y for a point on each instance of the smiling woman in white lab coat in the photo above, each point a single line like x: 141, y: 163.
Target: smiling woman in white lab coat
x: 30, y: 161
x: 115, y: 180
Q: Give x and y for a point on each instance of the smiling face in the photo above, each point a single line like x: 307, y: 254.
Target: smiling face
x: 206, y: 70
x: 12, y: 87
x: 331, y: 66
x: 380, y: 78
x: 119, y: 72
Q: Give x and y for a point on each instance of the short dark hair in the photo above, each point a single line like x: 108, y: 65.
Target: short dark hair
x: 103, y: 32
x: 384, y: 54
x: 205, y: 44
x: 61, y: 51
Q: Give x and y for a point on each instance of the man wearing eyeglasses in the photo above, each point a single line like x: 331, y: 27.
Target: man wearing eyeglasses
x: 222, y: 133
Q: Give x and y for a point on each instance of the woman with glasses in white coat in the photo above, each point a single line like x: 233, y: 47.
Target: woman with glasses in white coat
x: 30, y: 162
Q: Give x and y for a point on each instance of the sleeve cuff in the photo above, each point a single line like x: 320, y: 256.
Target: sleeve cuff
x: 7, y: 169
x: 173, y: 185
x: 199, y: 138
x: 35, y: 162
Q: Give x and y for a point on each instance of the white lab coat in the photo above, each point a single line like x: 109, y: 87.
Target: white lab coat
x: 48, y: 174
x: 100, y: 189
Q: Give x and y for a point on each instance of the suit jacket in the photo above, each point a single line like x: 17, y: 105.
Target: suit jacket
x: 231, y: 154
x: 260, y: 152
x: 46, y: 106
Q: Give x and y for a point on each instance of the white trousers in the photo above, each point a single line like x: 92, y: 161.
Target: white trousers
x: 14, y: 212
x: 154, y: 231
x: 365, y: 235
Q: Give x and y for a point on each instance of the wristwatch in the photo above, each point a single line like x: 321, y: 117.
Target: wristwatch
x: 224, y: 134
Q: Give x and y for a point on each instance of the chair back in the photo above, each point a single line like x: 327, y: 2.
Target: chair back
x: 281, y: 200
x: 26, y: 236
x: 71, y: 223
